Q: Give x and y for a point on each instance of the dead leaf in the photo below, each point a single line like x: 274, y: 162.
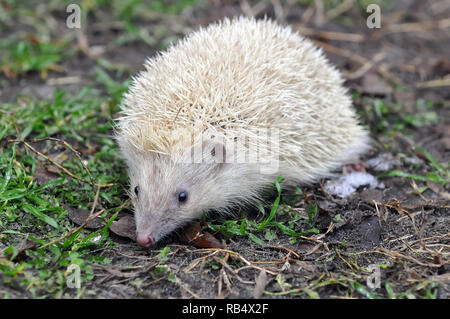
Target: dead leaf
x: 59, y: 157
x: 441, y: 66
x: 438, y: 260
x: 6, y: 6
x: 407, y: 98
x: 374, y: 84
x: 52, y: 169
x: 371, y: 195
x: 42, y: 175
x: 124, y: 227
x: 91, y: 149
x: 33, y: 39
x: 260, y: 284
x: 193, y: 235
x: 22, y: 247
x: 438, y: 189
x: 79, y: 215
x: 8, y: 72
x: 415, y: 275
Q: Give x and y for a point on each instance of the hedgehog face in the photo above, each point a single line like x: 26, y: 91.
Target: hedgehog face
x: 167, y: 195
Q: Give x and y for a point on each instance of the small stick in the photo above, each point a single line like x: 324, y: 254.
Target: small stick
x: 365, y: 67
x: 395, y: 254
x: 62, y: 168
x: 287, y: 249
x: 434, y: 83
x: 347, y: 54
x: 77, y: 154
x: 185, y: 287
x: 337, y: 36
x: 340, y: 9
x: 383, y: 70
x: 97, y: 193
x: 232, y: 253
x: 225, y: 265
x: 65, y: 170
x: 317, y: 241
x: 416, y: 26
x: 91, y: 217
x: 274, y: 262
x: 74, y: 230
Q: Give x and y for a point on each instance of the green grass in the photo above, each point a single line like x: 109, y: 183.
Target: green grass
x: 279, y: 220
x: 37, y: 213
x: 387, y: 117
x: 20, y: 56
x: 134, y: 9
x: 435, y: 172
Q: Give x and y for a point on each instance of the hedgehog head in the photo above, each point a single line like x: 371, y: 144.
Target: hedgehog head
x: 169, y: 191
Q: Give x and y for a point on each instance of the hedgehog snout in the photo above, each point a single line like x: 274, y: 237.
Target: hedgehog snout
x: 145, y: 233
x: 144, y: 239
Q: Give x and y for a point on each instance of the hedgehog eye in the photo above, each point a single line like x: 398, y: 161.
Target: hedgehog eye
x: 136, y: 190
x: 182, y: 197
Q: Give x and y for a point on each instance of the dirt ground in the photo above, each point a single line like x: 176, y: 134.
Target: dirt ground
x: 393, y: 224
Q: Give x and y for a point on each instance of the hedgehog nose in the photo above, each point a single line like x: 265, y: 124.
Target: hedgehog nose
x: 144, y: 240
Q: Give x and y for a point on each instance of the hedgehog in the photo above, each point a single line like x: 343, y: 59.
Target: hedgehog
x: 214, y: 120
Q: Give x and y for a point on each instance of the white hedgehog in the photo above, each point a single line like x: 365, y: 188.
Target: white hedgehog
x: 222, y: 86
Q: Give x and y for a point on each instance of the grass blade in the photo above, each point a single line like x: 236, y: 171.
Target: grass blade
x: 8, y: 173
x: 256, y: 239
x: 430, y: 158
x: 47, y: 219
x: 403, y: 174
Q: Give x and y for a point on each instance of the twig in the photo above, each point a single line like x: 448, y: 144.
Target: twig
x: 337, y: 36
x: 434, y: 83
x: 76, y: 153
x: 382, y: 69
x: 273, y: 273
x: 187, y: 289
x: 64, y: 80
x: 286, y: 249
x: 313, y: 250
x: 416, y: 26
x: 278, y: 9
x: 62, y: 168
x: 154, y: 281
x: 340, y: 9
x: 52, y: 161
x: 274, y: 262
x: 74, y: 230
x: 97, y: 193
x: 317, y: 241
x: 307, y: 15
x: 250, y: 11
x: 366, y: 66
x: 347, y: 54
x: 395, y: 254
x: 319, y: 16
x: 218, y: 250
